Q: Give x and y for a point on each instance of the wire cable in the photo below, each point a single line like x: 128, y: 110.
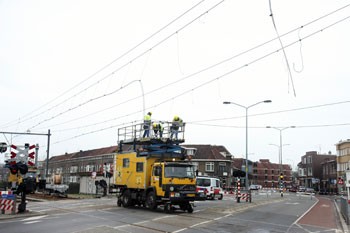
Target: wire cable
x: 231, y: 71
x: 282, y: 47
x: 106, y: 66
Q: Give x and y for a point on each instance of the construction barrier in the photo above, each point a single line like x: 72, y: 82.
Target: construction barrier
x: 238, y: 193
x: 246, y: 197
x: 7, y: 202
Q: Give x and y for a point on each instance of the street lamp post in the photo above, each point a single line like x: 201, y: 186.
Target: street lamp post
x: 279, y: 153
x: 280, y: 146
x: 246, y: 134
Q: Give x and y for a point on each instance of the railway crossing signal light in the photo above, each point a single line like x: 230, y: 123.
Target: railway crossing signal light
x: 13, y: 169
x: 23, y: 168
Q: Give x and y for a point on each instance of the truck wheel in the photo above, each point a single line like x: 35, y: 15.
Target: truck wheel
x: 183, y: 207
x: 151, y: 201
x: 189, y: 208
x: 167, y: 208
x: 221, y: 196
x: 126, y: 198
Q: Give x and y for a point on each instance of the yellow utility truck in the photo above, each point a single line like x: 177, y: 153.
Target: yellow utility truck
x: 154, y: 172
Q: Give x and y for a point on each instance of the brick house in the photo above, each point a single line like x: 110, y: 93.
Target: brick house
x: 310, y: 169
x: 212, y: 160
x: 265, y: 173
x: 75, y: 165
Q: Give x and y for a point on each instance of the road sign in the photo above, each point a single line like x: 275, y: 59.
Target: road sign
x: 340, y: 181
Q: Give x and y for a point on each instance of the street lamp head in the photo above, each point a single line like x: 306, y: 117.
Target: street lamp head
x: 267, y: 101
x: 293, y: 126
x: 226, y: 102
x: 268, y: 126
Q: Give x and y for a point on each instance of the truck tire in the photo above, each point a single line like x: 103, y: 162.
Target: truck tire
x: 189, y: 208
x: 221, y: 197
x: 126, y: 198
x: 168, y: 208
x: 151, y: 202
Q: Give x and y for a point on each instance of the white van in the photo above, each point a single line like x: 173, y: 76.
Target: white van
x: 210, y: 186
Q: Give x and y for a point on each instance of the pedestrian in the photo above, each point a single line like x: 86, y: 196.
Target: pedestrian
x: 147, y: 124
x: 175, y: 126
x: 158, y: 127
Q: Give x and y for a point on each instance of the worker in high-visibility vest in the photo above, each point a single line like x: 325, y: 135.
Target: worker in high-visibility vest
x: 175, y: 125
x: 147, y: 124
x: 158, y: 127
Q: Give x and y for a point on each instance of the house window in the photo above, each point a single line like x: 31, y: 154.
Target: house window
x: 126, y: 162
x: 222, y: 167
x: 73, y: 169
x: 309, y: 159
x: 209, y: 167
x: 309, y: 171
x: 139, y: 167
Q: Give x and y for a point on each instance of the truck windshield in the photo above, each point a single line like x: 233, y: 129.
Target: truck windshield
x: 179, y: 171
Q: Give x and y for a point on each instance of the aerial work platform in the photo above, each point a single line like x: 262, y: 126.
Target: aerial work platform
x: 133, y: 136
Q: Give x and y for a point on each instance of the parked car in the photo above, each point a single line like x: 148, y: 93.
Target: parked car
x: 323, y: 192
x: 309, y: 191
x: 301, y: 189
x: 255, y: 187
x: 293, y: 189
x: 210, y: 186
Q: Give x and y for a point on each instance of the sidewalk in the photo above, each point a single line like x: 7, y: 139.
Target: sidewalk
x: 324, y: 214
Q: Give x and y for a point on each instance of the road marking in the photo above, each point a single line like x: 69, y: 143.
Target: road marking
x: 167, y: 216
x: 294, y: 203
x: 34, y: 218
x: 324, y: 205
x: 126, y: 225
x: 31, y: 222
x: 200, y: 223
x: 183, y: 229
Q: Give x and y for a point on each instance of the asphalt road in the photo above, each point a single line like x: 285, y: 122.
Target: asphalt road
x: 266, y: 213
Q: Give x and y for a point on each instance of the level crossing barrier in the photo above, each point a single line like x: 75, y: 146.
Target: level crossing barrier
x: 7, y: 202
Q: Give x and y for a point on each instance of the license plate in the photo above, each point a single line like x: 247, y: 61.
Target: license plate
x: 191, y: 195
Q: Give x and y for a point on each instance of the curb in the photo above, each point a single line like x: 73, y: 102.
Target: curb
x: 340, y: 216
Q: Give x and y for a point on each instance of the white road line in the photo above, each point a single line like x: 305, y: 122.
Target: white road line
x: 34, y: 218
x: 126, y: 225
x: 180, y: 230
x: 31, y: 222
x: 200, y: 223
x: 167, y: 216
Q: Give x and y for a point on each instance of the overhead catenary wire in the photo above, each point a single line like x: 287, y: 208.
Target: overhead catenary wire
x: 242, y: 66
x: 132, y: 60
x: 275, y: 112
x: 228, y: 59
x: 264, y: 127
x: 105, y: 66
x: 282, y: 47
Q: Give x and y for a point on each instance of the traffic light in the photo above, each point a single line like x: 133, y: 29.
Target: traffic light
x: 13, y: 169
x: 281, y: 181
x: 238, y: 173
x: 109, y: 175
x: 3, y: 147
x: 23, y: 168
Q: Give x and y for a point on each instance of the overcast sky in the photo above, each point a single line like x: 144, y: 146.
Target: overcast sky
x: 79, y: 68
